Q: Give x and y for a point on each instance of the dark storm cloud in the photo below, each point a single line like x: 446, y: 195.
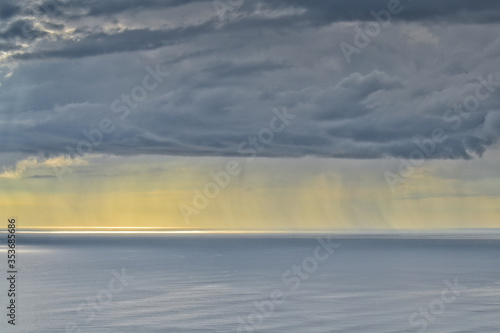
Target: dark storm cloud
x: 346, y: 10
x: 22, y: 29
x: 78, y: 9
x: 105, y: 43
x: 8, y: 9
x: 226, y: 77
x: 316, y: 13
x: 318, y: 10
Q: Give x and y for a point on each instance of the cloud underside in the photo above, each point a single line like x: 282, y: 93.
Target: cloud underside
x: 76, y: 77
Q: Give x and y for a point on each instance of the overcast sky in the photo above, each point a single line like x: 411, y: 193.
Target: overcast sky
x: 353, y: 80
x: 65, y: 62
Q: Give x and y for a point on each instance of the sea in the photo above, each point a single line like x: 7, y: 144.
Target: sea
x: 306, y: 283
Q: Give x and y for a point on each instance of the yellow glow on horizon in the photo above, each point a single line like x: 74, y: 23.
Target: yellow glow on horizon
x: 269, y: 194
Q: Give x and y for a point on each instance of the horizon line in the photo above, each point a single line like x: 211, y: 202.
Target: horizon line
x: 201, y: 231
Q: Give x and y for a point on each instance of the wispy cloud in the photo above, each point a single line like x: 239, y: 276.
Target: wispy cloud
x: 32, y: 163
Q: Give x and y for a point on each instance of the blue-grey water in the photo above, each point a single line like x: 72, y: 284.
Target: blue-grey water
x: 179, y: 283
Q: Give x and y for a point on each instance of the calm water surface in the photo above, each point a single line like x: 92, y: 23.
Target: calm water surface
x: 121, y: 283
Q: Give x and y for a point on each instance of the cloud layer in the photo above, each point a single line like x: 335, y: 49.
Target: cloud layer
x: 71, y: 69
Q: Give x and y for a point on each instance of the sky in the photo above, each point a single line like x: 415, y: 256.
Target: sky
x: 250, y: 115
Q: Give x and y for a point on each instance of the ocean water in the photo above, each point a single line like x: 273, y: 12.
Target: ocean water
x: 264, y: 283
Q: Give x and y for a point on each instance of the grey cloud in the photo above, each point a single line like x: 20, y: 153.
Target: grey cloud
x: 345, y: 10
x: 8, y: 9
x: 8, y: 46
x: 319, y: 11
x: 229, y: 69
x: 23, y: 29
x: 78, y: 9
x: 53, y: 26
x: 226, y: 78
x: 346, y: 99
x: 105, y: 43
